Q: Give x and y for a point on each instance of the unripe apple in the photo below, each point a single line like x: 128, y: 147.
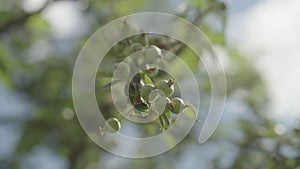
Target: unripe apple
x: 161, y: 104
x: 156, y: 93
x: 141, y: 105
x: 176, y: 105
x: 152, y: 53
x: 112, y: 125
x: 146, y: 90
x: 166, y: 86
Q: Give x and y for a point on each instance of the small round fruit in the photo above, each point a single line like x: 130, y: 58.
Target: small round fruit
x: 146, y: 90
x: 122, y: 71
x: 161, y: 105
x: 142, y: 107
x: 166, y: 86
x: 156, y: 93
x: 140, y: 104
x: 152, y: 53
x: 112, y: 125
x: 177, y: 105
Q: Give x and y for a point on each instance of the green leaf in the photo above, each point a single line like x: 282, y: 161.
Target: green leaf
x: 147, y: 79
x: 123, y: 7
x: 199, y: 3
x: 161, y: 123
x: 168, y: 114
x: 38, y: 26
x: 166, y: 120
x: 31, y: 136
x: 4, y: 78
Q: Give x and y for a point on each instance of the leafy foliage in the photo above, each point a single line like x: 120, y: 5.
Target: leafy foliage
x: 45, y: 80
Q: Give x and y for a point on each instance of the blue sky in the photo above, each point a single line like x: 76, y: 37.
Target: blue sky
x: 268, y: 32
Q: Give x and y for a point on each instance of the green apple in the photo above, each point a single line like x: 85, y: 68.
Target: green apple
x: 166, y: 86
x: 112, y: 125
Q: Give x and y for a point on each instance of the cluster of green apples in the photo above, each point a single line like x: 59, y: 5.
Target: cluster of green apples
x: 146, y: 93
x: 159, y: 97
x: 149, y: 98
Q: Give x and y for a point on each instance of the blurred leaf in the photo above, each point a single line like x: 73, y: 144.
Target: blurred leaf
x: 213, y: 36
x: 32, y: 136
x: 37, y: 26
x: 199, y: 3
x: 123, y: 7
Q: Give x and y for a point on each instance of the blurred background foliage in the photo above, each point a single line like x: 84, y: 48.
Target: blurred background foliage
x: 40, y: 41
